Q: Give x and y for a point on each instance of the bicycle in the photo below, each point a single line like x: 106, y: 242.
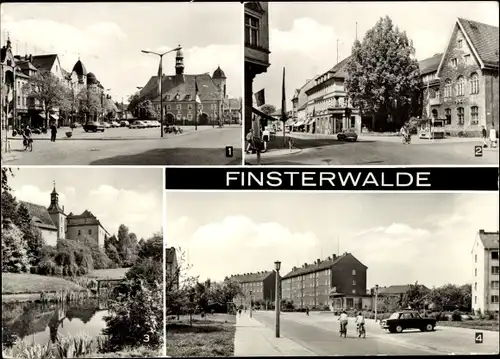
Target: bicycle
x: 28, y: 144
x: 361, y: 331
x: 343, y: 330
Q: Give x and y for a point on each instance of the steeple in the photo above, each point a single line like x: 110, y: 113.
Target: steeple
x: 54, y: 201
x: 9, y: 45
x: 179, y: 62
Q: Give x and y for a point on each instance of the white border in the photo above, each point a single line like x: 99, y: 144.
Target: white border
x: 164, y: 246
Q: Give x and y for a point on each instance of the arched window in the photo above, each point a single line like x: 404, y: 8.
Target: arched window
x: 474, y: 84
x: 447, y: 114
x: 460, y: 86
x: 434, y: 114
x: 474, y: 115
x: 460, y: 115
x: 447, y: 88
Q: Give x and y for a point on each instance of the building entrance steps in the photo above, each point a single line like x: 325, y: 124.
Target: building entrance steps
x: 255, y: 339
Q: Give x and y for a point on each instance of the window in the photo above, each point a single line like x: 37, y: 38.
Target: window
x: 474, y: 84
x: 432, y: 93
x: 179, y: 116
x: 251, y: 30
x: 18, y: 100
x: 167, y: 97
x: 447, y: 114
x: 90, y: 231
x: 354, y: 291
x: 354, y: 272
x: 494, y: 299
x: 494, y: 255
x: 179, y: 107
x: 474, y: 115
x: 200, y: 106
x: 454, y: 62
x: 447, y: 88
x: 460, y: 114
x: 460, y: 86
x: 213, y: 107
x: 467, y: 59
x: 190, y: 107
x: 494, y: 284
x: 79, y: 232
x: 475, y: 300
x: 168, y: 107
x: 353, y: 282
x: 459, y: 43
x: 475, y: 286
x: 475, y: 272
x: 188, y: 97
x: 494, y: 270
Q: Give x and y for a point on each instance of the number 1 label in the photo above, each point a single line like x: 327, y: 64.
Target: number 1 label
x: 229, y: 151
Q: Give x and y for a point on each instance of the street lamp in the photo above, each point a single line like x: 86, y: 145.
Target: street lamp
x: 376, y: 301
x: 251, y: 304
x: 277, y: 266
x: 102, y: 101
x: 160, y: 80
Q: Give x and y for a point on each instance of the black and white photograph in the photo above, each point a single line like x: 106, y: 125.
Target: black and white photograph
x: 371, y: 83
x: 410, y: 273
x: 82, y: 263
x: 121, y: 84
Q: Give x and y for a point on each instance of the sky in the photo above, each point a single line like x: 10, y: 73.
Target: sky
x: 129, y: 196
x: 110, y: 36
x: 303, y: 36
x: 401, y: 238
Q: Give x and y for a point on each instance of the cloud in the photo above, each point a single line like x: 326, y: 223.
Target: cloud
x: 71, y: 191
x: 306, y: 36
x: 396, y: 229
x: 33, y: 194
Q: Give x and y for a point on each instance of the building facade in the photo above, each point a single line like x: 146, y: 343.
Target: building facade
x: 462, y: 87
x: 485, y: 287
x: 256, y: 50
x: 337, y: 282
x: 85, y: 224
x: 260, y: 286
x: 299, y: 117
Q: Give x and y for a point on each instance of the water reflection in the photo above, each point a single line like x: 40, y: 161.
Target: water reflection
x: 43, y: 322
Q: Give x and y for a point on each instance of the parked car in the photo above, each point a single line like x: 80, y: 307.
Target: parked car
x: 93, y: 127
x: 156, y: 123
x: 348, y: 135
x: 115, y: 124
x: 124, y: 123
x: 148, y: 124
x: 107, y: 125
x: 407, y: 319
x: 137, y: 124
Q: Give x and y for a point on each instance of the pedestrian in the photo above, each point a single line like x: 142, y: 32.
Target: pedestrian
x: 307, y: 311
x: 53, y: 132
x: 484, y: 136
x: 493, y: 137
x: 249, y: 140
x: 239, y: 312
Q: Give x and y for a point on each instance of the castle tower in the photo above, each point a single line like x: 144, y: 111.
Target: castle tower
x: 219, y: 78
x: 179, y: 62
x: 57, y: 214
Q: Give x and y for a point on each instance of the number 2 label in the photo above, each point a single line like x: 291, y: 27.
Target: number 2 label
x: 478, y: 151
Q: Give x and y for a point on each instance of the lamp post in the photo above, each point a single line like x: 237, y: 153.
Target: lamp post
x: 376, y: 301
x: 140, y: 109
x: 160, y: 80
x: 277, y: 266
x: 251, y: 304
x: 102, y: 101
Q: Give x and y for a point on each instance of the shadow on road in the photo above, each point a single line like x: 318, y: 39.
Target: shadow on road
x: 175, y: 156
x: 304, y: 143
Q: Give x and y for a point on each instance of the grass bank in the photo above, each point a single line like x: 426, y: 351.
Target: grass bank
x: 480, y: 324
x: 207, y: 337
x: 114, y: 273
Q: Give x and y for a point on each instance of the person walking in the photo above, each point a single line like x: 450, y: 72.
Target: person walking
x: 249, y: 140
x: 493, y: 137
x: 53, y: 132
x: 484, y: 136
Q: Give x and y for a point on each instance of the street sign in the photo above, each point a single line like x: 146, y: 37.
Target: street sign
x: 478, y: 151
x: 229, y: 151
x: 478, y: 338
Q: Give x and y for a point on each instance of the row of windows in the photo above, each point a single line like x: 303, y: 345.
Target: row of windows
x: 494, y: 284
x: 494, y: 270
x: 473, y: 115
x: 213, y: 106
x: 494, y: 256
x: 494, y: 299
x: 460, y: 86
x: 80, y: 232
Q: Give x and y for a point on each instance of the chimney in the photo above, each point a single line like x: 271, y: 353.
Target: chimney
x: 294, y: 269
x: 305, y: 265
x: 329, y: 258
x: 481, y: 231
x: 318, y: 261
x: 334, y: 257
x: 31, y: 58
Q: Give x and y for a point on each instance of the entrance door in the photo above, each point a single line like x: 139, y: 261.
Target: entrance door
x: 338, y: 124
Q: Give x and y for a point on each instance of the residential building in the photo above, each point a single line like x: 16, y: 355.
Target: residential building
x: 56, y: 225
x: 299, y: 118
x: 256, y: 50
x: 337, y: 282
x: 389, y: 298
x: 329, y: 110
x: 486, y: 272
x: 462, y: 83
x: 172, y: 267
x: 260, y: 286
x: 179, y: 96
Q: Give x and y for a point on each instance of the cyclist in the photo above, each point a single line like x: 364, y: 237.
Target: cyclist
x: 343, y: 318
x: 27, y: 136
x: 360, y: 322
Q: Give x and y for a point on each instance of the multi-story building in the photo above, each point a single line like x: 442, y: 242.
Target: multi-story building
x: 260, y: 286
x: 256, y: 50
x: 56, y: 225
x: 486, y: 272
x: 337, y: 282
x: 299, y: 118
x: 462, y: 83
x: 172, y: 267
x: 329, y: 110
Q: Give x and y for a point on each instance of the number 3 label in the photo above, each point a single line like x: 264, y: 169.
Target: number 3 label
x: 478, y: 151
x: 146, y: 338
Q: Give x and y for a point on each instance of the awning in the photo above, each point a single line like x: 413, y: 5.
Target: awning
x: 289, y: 122
x: 311, y: 120
x: 263, y: 115
x: 54, y: 116
x: 298, y: 124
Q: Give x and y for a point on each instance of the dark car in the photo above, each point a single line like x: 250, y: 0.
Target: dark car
x: 93, y: 127
x: 407, y: 319
x: 348, y: 135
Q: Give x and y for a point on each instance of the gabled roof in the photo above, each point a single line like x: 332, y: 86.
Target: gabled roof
x: 316, y: 267
x: 251, y: 277
x: 397, y: 289
x: 339, y: 70
x: 44, y: 62
x: 39, y: 215
x: 85, y: 214
x: 430, y: 64
x: 184, y: 86
x: 489, y: 239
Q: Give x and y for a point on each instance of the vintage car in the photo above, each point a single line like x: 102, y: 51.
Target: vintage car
x: 348, y: 135
x: 407, y: 319
x: 93, y: 127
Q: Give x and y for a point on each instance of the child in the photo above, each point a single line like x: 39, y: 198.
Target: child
x: 360, y: 321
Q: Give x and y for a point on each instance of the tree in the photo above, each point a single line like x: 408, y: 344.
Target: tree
x: 268, y: 109
x: 383, y: 76
x: 8, y: 207
x: 133, y: 103
x: 14, y: 256
x: 178, y: 285
x: 32, y: 236
x: 46, y: 89
x: 152, y: 248
x: 99, y: 257
x: 89, y: 101
x: 127, y: 246
x: 451, y: 296
x: 415, y: 297
x: 113, y: 255
x: 146, y: 110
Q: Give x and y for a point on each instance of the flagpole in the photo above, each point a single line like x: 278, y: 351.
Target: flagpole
x: 195, y: 104
x: 161, y: 94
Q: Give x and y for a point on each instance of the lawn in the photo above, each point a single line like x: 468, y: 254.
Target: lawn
x: 209, y: 337
x: 115, y: 273
x: 472, y: 324
x: 15, y: 283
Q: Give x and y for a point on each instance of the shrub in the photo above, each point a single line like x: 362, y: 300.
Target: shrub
x: 58, y: 271
x: 456, y: 316
x: 46, y: 266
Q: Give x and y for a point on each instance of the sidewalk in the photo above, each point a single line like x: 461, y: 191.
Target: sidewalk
x: 253, y: 338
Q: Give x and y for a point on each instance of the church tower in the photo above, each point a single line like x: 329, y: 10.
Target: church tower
x: 179, y: 62
x: 57, y: 214
x: 219, y: 78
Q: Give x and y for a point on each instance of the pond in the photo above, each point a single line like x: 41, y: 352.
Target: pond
x: 40, y: 323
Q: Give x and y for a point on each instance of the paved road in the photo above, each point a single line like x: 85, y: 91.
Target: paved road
x: 374, y: 151
x: 319, y: 334
x: 134, y: 147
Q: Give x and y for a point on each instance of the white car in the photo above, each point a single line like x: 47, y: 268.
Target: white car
x: 137, y: 124
x: 115, y: 124
x: 156, y: 123
x: 107, y: 125
x: 124, y: 123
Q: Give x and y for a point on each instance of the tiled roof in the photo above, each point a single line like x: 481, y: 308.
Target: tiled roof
x: 339, y: 70
x: 251, y: 277
x: 397, y: 289
x: 44, y: 62
x: 430, y: 64
x: 85, y: 214
x: 484, y: 38
x: 40, y: 215
x: 170, y: 255
x: 316, y: 267
x: 489, y: 239
x: 234, y: 102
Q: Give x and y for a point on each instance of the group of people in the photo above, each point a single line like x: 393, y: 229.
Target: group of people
x: 344, y: 319
x: 27, y: 133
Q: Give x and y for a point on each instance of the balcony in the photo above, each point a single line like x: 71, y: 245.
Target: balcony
x: 436, y: 101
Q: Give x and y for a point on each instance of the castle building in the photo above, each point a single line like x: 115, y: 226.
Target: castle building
x: 179, y: 93
x: 56, y: 225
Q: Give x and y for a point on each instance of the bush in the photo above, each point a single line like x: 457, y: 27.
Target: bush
x: 456, y: 316
x: 47, y: 266
x: 58, y: 271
